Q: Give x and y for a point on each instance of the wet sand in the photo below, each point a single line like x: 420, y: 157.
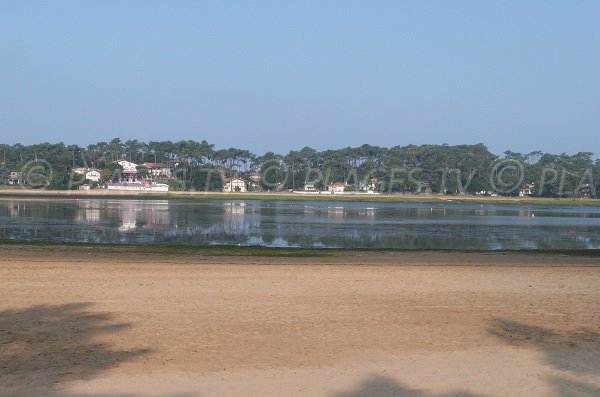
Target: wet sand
x: 86, y: 323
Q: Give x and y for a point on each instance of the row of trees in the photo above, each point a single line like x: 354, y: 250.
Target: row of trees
x: 457, y: 169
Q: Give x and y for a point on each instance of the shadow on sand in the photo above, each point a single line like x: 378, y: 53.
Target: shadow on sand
x: 574, y: 354
x: 381, y: 386
x: 43, y: 348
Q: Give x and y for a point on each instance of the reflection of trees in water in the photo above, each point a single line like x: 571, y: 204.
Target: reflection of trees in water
x: 318, y: 224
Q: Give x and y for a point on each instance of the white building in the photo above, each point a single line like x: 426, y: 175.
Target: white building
x: 234, y: 185
x: 527, y: 190
x: 128, y: 166
x: 130, y: 173
x: 310, y: 186
x: 369, y: 185
x: 158, y: 170
x: 337, y: 187
x: 255, y: 178
x: 14, y: 178
x: 91, y: 174
x: 587, y: 191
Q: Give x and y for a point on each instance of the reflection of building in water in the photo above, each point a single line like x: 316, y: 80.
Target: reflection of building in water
x: 156, y: 214
x: 234, y: 208
x: 149, y: 213
x: 310, y: 209
x: 336, y: 211
x: 128, y: 217
x: 89, y: 211
x: 240, y: 220
x: 234, y: 216
x: 130, y: 213
x: 14, y: 208
x: 92, y: 215
x: 525, y: 212
x: 369, y: 211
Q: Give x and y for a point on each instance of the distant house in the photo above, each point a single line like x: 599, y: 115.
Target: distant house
x: 91, y: 174
x: 234, y: 185
x: 424, y: 187
x: 255, y: 178
x: 130, y: 172
x: 368, y: 185
x: 336, y: 187
x: 158, y: 170
x: 14, y: 178
x: 586, y: 190
x: 527, y: 190
x: 128, y: 166
x: 310, y: 186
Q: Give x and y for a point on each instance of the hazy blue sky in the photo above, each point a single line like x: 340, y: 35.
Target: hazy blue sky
x: 279, y: 75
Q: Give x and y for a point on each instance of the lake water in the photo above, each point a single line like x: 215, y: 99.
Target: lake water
x: 302, y: 224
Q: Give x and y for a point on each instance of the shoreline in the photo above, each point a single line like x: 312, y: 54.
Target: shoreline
x: 288, y: 196
x: 281, y: 252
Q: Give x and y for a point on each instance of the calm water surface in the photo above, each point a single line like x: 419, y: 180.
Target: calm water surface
x: 302, y: 224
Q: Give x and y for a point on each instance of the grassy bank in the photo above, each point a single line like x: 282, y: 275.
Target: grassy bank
x: 287, y: 196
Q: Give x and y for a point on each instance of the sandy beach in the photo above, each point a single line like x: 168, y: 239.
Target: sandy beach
x: 87, y: 323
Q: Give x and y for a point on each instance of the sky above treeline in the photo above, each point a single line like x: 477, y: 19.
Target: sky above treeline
x: 275, y: 75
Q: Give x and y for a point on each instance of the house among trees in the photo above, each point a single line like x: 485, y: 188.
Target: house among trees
x: 527, y: 190
x: 337, y: 187
x: 255, y: 177
x: 310, y: 187
x: 424, y: 187
x: 127, y: 165
x: 158, y: 170
x: 586, y: 191
x: 14, y: 178
x: 130, y: 171
x: 369, y: 185
x: 234, y: 185
x: 90, y: 174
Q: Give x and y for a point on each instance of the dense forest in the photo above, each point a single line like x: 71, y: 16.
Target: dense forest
x: 460, y: 169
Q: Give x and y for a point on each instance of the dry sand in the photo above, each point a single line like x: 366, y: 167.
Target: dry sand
x: 77, y: 323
